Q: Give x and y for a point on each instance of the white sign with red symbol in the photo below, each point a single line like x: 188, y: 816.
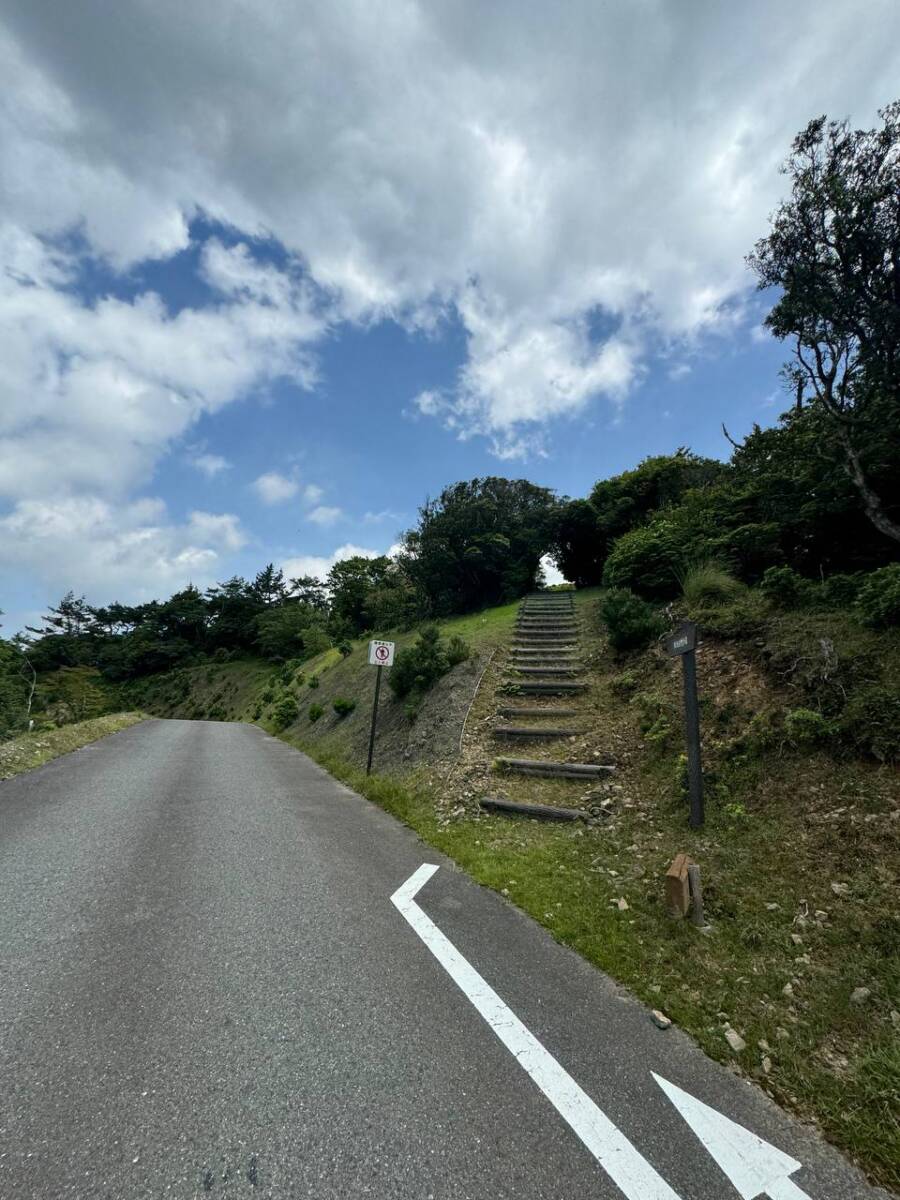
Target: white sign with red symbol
x: 381, y: 654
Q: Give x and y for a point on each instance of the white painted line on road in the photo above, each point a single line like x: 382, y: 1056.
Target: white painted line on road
x: 627, y: 1168
x: 754, y: 1167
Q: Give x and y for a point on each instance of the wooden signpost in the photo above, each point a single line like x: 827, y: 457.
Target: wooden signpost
x: 683, y: 642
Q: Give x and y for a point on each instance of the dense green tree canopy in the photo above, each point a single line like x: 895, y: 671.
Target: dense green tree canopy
x: 479, y: 543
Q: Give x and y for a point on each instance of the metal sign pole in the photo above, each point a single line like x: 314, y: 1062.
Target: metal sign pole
x: 682, y: 642
x: 692, y: 729
x: 374, y: 717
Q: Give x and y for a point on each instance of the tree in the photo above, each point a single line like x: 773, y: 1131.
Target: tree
x: 351, y: 584
x: 578, y: 547
x: 479, y: 543
x: 834, y: 253
x: 269, y: 586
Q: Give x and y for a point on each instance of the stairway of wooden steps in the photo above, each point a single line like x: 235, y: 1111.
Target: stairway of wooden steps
x: 543, y: 663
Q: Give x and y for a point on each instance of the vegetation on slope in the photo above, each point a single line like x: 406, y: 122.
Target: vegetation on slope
x: 30, y: 750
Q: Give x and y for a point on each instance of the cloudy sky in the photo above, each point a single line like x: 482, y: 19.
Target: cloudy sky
x: 271, y: 272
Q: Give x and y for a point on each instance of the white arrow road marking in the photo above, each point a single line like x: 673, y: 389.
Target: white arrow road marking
x: 755, y: 1167
x: 627, y: 1168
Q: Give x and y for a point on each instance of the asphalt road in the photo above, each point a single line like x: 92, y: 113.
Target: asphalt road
x: 205, y: 990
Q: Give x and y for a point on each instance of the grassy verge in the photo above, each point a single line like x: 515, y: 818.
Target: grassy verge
x: 785, y: 952
x: 31, y: 750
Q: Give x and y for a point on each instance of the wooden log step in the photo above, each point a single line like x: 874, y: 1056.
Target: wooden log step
x: 537, y: 732
x: 525, y: 642
x: 554, y: 770
x: 544, y: 812
x: 558, y: 688
x: 521, y: 711
x: 548, y: 672
x: 557, y: 626
x: 563, y: 636
x: 569, y: 622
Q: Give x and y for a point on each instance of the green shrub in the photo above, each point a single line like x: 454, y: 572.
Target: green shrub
x: 623, y: 684
x: 420, y: 666
x: 840, y: 591
x: 217, y: 713
x: 784, y: 587
x: 644, y: 560
x: 345, y: 648
x: 315, y: 712
x: 285, y: 712
x: 267, y: 695
x: 343, y: 707
x: 710, y: 582
x: 457, y: 650
x: 315, y: 641
x: 870, y: 721
x: 221, y: 654
x: 313, y: 682
x: 878, y: 601
x: 805, y: 727
x: 631, y: 622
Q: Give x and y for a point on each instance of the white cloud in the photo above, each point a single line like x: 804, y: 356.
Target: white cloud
x: 132, y: 552
x: 312, y: 493
x: 386, y: 514
x: 92, y: 395
x: 320, y: 564
x: 274, y: 488
x: 324, y: 515
x: 619, y: 162
x: 210, y: 465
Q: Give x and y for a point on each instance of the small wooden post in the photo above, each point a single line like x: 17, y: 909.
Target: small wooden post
x: 678, y: 894
x: 697, y: 914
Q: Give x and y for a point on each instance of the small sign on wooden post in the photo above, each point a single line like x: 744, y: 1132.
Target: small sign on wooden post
x: 381, y: 654
x: 678, y: 894
x: 683, y: 642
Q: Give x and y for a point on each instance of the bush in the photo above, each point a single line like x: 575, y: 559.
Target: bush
x: 419, y: 667
x: 315, y: 641
x: 644, y: 560
x: 840, y: 591
x: 343, y: 707
x: 285, y: 712
x: 784, y: 587
x: 315, y: 711
x: 871, y: 721
x: 631, y: 622
x: 878, y: 601
x: 313, y: 682
x: 805, y: 727
x: 345, y: 648
x: 710, y: 582
x: 457, y: 650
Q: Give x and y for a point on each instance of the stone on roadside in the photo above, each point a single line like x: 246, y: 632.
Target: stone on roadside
x: 734, y: 1039
x: 660, y: 1020
x: 860, y: 995
x: 766, y: 1064
x: 840, y: 889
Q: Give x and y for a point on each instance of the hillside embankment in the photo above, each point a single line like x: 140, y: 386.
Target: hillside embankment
x: 796, y: 981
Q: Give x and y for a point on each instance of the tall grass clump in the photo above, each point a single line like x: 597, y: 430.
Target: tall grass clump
x: 710, y: 583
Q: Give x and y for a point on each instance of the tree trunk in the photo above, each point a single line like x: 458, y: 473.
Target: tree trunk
x: 871, y: 502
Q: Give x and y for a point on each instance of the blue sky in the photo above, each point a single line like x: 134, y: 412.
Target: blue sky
x: 268, y: 279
